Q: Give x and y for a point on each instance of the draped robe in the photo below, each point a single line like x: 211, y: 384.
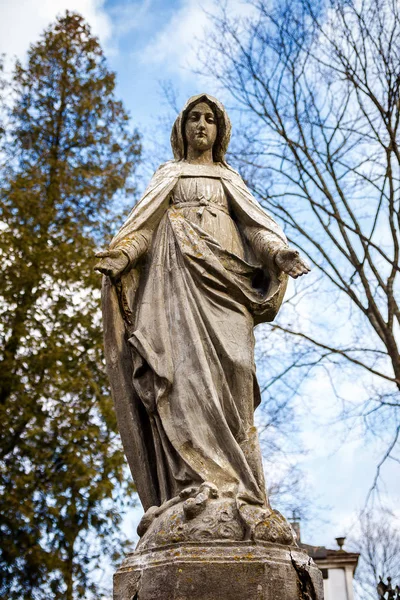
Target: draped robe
x: 179, y: 339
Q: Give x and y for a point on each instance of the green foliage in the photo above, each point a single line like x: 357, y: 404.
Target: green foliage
x: 69, y: 157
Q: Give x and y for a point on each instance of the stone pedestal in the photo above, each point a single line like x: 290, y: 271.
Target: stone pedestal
x: 219, y: 571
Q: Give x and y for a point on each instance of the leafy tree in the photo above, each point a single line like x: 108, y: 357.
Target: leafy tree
x: 70, y: 155
x: 3, y: 87
x: 316, y: 87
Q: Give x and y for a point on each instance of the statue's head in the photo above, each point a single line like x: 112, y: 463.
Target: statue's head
x: 203, y: 123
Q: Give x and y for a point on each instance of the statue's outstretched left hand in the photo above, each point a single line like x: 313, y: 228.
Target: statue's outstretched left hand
x: 112, y: 263
x: 289, y: 261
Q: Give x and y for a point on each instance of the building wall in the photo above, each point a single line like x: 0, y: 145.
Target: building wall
x: 339, y: 584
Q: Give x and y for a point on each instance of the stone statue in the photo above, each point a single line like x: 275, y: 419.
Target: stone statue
x: 195, y: 266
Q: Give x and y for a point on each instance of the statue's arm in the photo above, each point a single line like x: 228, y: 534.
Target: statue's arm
x: 134, y: 238
x: 124, y: 255
x: 274, y: 253
x: 135, y: 246
x: 264, y: 235
x: 264, y: 244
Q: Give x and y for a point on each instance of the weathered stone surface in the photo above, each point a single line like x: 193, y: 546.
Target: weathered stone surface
x: 219, y: 571
x: 201, y: 514
x: 195, y: 267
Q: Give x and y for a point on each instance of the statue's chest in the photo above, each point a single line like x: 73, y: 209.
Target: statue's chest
x: 203, y: 201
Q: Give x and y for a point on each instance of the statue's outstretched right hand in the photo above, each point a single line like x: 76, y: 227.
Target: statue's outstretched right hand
x: 113, y: 262
x: 289, y: 261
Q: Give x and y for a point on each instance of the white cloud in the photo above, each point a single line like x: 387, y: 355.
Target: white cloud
x: 130, y: 16
x: 176, y: 44
x: 22, y: 21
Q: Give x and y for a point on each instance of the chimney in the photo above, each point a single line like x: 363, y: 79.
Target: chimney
x: 295, y: 523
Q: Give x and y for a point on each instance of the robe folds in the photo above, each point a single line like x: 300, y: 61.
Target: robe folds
x: 179, y: 338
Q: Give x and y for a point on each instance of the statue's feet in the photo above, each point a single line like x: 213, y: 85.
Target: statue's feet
x: 267, y: 525
x: 194, y: 505
x: 194, y: 502
x: 154, y: 512
x: 197, y: 514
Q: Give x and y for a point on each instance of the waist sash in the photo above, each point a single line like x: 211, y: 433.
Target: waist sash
x: 202, y: 205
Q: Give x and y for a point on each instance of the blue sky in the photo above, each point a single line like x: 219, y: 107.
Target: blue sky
x: 140, y: 54
x: 148, y: 41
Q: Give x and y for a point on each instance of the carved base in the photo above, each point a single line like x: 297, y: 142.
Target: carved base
x: 219, y: 571
x: 202, y: 514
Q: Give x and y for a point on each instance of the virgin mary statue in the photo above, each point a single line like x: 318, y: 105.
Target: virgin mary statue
x: 195, y: 266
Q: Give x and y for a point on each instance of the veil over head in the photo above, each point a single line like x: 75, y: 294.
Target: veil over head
x: 178, y: 141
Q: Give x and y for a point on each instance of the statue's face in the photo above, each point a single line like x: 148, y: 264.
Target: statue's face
x: 201, y: 127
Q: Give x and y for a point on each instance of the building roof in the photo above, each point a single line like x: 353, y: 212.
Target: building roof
x: 325, y: 557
